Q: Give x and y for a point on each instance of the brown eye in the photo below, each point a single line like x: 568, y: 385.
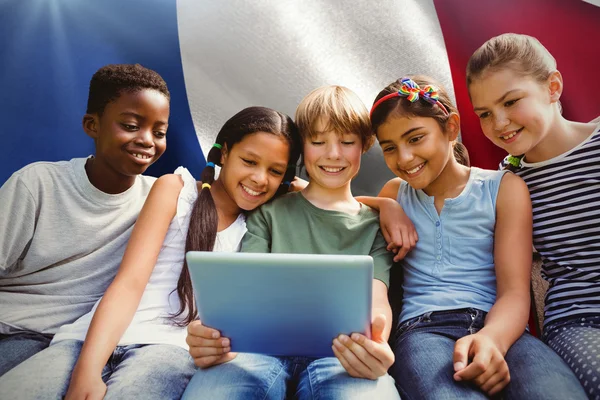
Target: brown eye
x: 129, y: 127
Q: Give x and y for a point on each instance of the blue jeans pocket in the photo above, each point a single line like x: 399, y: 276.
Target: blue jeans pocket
x: 409, y: 325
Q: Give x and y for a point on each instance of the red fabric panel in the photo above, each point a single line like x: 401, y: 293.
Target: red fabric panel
x: 569, y: 29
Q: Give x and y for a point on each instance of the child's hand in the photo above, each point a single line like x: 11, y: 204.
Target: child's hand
x: 297, y: 184
x: 363, y: 357
x: 488, y: 369
x: 85, y: 386
x: 397, y: 229
x: 207, y: 347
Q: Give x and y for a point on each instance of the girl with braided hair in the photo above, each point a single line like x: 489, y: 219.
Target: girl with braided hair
x: 136, y: 335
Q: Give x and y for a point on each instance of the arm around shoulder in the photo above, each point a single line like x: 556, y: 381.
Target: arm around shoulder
x: 390, y: 189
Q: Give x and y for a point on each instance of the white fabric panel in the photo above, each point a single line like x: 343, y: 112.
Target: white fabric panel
x: 273, y: 52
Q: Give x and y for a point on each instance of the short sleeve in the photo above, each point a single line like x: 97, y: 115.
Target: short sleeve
x: 258, y: 236
x: 18, y: 216
x: 187, y: 197
x: 382, y: 259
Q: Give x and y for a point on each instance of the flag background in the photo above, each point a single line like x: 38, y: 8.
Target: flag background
x: 218, y: 57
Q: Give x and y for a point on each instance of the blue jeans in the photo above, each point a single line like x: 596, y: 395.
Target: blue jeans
x: 152, y: 371
x: 424, y: 366
x: 255, y: 376
x: 577, y: 341
x: 16, y: 348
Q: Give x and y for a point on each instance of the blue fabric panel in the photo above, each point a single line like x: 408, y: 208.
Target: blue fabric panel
x: 50, y: 49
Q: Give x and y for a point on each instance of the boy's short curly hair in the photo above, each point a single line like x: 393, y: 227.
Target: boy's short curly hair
x: 110, y: 81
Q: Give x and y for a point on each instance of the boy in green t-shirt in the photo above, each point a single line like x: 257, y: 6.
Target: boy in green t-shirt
x: 324, y: 218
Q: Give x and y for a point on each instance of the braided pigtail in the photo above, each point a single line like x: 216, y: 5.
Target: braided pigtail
x: 201, y: 236
x: 204, y: 219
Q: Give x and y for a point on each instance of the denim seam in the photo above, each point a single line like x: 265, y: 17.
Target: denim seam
x: 314, y: 388
x: 274, y: 380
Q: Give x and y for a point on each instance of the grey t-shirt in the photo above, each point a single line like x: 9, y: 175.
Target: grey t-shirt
x: 61, y: 243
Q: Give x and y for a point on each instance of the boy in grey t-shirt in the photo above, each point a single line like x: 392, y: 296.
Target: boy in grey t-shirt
x: 64, y: 225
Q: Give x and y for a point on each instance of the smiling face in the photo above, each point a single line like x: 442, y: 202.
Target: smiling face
x: 515, y: 111
x: 416, y: 149
x: 332, y: 159
x: 130, y: 134
x: 254, y: 168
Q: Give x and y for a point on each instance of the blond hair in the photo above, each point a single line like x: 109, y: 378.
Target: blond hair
x: 522, y: 53
x: 340, y: 109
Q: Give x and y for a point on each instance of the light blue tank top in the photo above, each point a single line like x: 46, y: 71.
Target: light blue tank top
x: 452, y: 265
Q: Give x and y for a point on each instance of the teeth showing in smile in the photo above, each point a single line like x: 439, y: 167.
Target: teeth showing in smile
x: 250, y: 191
x: 415, y: 169
x: 329, y: 169
x: 510, y: 135
x: 140, y: 156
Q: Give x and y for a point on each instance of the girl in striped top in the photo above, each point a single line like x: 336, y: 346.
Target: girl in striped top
x: 515, y: 90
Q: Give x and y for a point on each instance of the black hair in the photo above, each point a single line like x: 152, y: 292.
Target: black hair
x: 202, y: 231
x: 110, y: 81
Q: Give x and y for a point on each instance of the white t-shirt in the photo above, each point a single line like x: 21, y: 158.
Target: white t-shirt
x: 150, y: 324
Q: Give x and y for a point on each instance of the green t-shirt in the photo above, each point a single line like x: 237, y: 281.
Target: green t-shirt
x: 292, y: 224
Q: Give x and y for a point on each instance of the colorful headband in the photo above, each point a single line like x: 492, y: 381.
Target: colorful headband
x: 413, y: 92
x: 210, y: 164
x: 206, y: 185
x: 218, y: 146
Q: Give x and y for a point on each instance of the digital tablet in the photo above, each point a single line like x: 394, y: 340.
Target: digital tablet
x: 282, y: 304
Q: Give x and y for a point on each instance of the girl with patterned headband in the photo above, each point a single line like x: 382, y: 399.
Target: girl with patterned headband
x: 461, y: 331
x: 515, y: 89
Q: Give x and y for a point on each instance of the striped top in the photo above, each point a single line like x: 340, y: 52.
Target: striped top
x: 565, y: 195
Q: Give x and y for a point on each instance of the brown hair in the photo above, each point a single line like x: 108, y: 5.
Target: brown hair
x: 402, y: 107
x: 202, y: 231
x: 522, y: 53
x: 340, y: 108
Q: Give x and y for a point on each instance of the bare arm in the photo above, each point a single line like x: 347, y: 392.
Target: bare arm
x: 389, y: 191
x: 381, y: 306
x: 507, y: 319
x: 121, y: 300
x: 397, y: 229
